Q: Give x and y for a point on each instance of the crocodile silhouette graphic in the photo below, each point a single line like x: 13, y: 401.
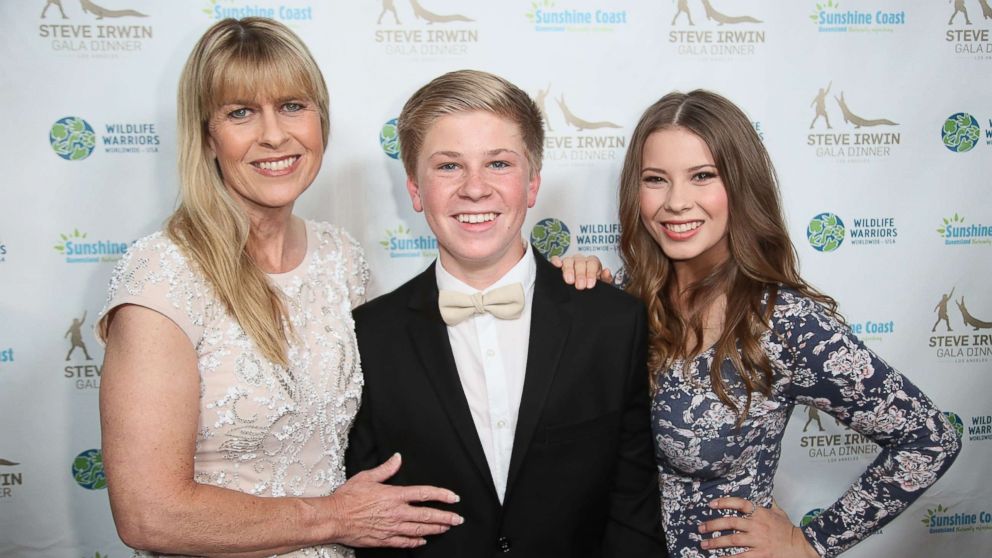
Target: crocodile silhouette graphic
x: 49, y: 4
x: 720, y: 18
x: 858, y: 122
x: 7, y: 463
x: 422, y: 13
x: 101, y: 12
x: 579, y: 123
x: 969, y: 319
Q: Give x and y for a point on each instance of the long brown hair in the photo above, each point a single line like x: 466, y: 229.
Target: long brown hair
x: 251, y: 58
x: 762, y: 258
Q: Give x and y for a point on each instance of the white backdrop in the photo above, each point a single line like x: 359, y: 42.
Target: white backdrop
x: 892, y: 160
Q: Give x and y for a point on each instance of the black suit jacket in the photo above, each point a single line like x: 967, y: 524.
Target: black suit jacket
x: 582, y: 479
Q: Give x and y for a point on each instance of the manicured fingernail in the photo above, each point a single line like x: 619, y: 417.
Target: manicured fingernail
x: 705, y: 544
x: 712, y: 503
x: 702, y: 527
x: 455, y: 498
x: 460, y: 520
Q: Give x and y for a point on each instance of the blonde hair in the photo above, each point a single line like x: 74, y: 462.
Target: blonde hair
x: 249, y: 59
x: 466, y: 91
x: 762, y: 258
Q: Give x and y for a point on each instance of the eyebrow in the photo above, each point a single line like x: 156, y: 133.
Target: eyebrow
x: 690, y: 169
x: 490, y: 153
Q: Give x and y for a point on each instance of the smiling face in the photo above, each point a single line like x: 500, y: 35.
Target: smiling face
x: 473, y: 183
x: 269, y: 151
x: 683, y: 202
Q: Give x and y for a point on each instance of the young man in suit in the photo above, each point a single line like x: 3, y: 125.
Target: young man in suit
x: 486, y: 372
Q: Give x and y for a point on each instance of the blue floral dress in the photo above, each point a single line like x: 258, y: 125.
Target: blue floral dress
x: 818, y: 362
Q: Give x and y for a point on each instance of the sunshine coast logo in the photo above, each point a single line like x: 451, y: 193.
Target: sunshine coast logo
x: 389, y: 139
x: 87, y: 470
x: 112, y: 36
x: 575, y: 140
x: 551, y: 237
x: 598, y: 237
x: 743, y: 36
x: 423, y: 33
x: 290, y: 12
x: 940, y: 520
x: 961, y: 345
x: 845, y: 144
x: 77, y: 248
x: 869, y: 331
x: 955, y: 231
x: 549, y: 16
x: 82, y: 371
x: 965, y: 39
x: 829, y: 441
x: 961, y: 132
x: 401, y: 242
x: 830, y: 17
x: 74, y: 139
x: 11, y: 479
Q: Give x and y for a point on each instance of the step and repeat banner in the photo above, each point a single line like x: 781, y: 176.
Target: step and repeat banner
x: 877, y: 115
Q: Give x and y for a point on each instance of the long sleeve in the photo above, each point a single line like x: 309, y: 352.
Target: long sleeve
x: 830, y: 369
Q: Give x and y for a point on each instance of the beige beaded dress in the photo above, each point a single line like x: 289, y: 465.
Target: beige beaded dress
x: 264, y: 429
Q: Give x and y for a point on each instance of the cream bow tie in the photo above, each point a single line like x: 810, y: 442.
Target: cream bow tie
x: 506, y: 303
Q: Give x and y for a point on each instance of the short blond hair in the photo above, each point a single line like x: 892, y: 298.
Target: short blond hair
x: 467, y: 91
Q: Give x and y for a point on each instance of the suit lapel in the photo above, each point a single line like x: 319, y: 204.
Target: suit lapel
x: 549, y: 326
x: 430, y: 341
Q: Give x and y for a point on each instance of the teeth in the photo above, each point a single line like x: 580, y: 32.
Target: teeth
x: 683, y: 227
x: 281, y: 164
x: 475, y: 217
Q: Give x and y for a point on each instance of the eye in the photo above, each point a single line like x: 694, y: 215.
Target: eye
x: 704, y: 176
x: 448, y: 166
x: 653, y: 180
x: 499, y: 165
x: 293, y: 106
x: 239, y: 113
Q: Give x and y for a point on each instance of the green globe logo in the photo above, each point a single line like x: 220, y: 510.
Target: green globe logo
x: 810, y: 516
x: 956, y: 422
x: 72, y: 138
x: 960, y: 132
x: 389, y: 139
x: 87, y: 469
x: 551, y: 237
x: 825, y: 232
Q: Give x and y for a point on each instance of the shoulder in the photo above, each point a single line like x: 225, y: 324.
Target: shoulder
x: 795, y: 310
x: 603, y: 300
x: 155, y: 257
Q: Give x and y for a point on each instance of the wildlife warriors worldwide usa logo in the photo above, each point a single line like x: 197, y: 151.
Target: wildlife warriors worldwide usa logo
x: 551, y: 237
x: 389, y: 139
x: 851, y: 136
x: 716, y: 34
x: 960, y: 132
x: 412, y: 29
x: 825, y: 232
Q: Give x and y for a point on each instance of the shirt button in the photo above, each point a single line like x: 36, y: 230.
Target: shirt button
x: 490, y: 353
x: 501, y: 424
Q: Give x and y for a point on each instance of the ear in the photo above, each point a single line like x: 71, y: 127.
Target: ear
x: 414, y: 190
x: 532, y: 187
x: 211, y: 145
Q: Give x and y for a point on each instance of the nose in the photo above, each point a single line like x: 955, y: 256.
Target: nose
x: 475, y: 186
x: 679, y: 198
x: 273, y: 133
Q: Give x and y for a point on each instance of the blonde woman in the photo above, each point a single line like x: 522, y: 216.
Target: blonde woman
x: 231, y: 375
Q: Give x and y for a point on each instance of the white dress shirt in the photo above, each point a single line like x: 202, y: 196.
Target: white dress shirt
x: 491, y: 357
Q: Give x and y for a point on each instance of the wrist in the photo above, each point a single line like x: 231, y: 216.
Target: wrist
x: 802, y: 541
